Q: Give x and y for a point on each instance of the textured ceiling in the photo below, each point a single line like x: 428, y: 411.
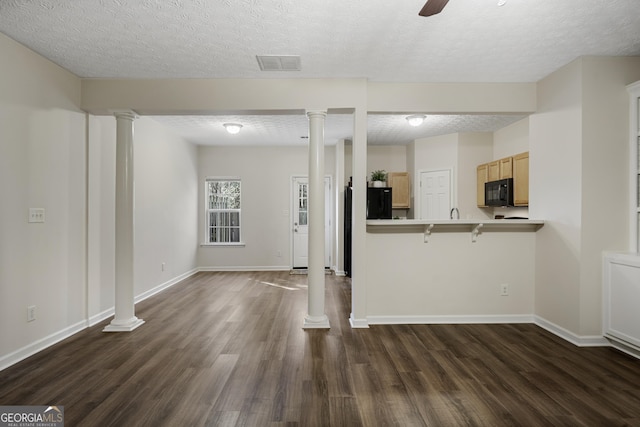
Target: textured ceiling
x: 380, y: 40
x: 382, y: 129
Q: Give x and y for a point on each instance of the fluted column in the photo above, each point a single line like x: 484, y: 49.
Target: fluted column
x: 316, y: 317
x: 124, y: 319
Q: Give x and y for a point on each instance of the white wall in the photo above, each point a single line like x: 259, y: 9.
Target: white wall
x: 555, y: 194
x: 473, y: 149
x: 42, y: 165
x: 166, y: 203
x: 266, y: 174
x: 605, y: 115
x: 512, y: 139
x: 56, y: 157
x: 101, y: 243
x: 390, y: 158
x: 578, y: 184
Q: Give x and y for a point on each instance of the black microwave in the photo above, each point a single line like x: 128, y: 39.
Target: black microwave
x: 499, y: 193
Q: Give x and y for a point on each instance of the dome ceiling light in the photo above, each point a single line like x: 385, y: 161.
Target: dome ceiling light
x: 232, y: 128
x: 416, y: 119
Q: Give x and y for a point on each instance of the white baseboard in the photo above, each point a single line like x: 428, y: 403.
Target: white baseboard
x: 434, y: 320
x: 340, y: 273
x: 151, y: 292
x: 41, y: 344
x: 110, y: 312
x: 97, y: 318
x: 247, y: 268
x: 630, y: 350
x: 578, y: 340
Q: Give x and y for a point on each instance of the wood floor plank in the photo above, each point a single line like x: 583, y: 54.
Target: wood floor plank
x: 228, y: 349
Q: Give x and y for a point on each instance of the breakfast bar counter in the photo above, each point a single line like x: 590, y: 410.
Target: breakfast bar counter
x: 474, y: 226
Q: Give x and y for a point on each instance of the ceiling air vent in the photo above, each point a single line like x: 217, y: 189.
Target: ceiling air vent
x: 279, y: 62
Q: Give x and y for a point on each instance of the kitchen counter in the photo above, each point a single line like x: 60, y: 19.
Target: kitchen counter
x: 474, y: 226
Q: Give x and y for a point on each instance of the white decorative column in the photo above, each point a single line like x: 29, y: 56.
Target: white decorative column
x: 358, y: 318
x: 316, y: 317
x: 124, y: 319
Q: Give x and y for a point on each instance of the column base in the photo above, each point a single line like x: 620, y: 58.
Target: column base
x: 316, y: 322
x: 126, y: 326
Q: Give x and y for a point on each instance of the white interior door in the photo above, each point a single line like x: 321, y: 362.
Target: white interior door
x: 435, y: 194
x: 300, y: 222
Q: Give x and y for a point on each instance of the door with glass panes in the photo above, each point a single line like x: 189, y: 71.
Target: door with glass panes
x: 300, y: 221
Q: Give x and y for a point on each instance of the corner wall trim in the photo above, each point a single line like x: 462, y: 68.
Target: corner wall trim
x: 358, y: 323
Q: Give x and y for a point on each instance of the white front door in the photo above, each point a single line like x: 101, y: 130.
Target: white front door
x: 300, y: 222
x: 435, y: 194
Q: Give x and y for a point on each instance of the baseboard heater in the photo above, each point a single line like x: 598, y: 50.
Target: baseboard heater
x: 621, y: 300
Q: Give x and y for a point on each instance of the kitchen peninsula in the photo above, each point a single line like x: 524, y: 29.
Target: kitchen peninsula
x: 451, y: 271
x: 475, y: 226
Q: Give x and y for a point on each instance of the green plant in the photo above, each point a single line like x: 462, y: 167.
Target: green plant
x: 379, y: 175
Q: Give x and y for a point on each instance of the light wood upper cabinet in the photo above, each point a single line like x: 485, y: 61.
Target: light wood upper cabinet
x: 400, y: 195
x: 516, y: 167
x: 494, y: 171
x: 482, y: 174
x: 506, y: 168
x: 521, y: 179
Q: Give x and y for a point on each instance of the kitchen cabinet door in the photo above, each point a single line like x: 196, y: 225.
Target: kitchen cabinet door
x: 494, y: 171
x: 506, y: 168
x: 400, y: 195
x: 521, y: 179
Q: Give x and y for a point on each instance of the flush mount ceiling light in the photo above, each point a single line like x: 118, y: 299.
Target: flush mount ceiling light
x: 232, y: 128
x: 416, y: 119
x: 502, y: 2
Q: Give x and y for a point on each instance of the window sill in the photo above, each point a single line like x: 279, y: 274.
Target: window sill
x: 223, y: 245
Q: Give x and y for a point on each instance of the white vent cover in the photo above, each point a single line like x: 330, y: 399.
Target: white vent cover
x: 279, y: 62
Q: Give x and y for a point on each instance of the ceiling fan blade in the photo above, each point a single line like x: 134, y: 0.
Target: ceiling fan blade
x: 433, y: 7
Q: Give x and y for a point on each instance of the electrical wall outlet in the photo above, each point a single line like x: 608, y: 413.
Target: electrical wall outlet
x: 36, y: 214
x: 31, y: 313
x: 504, y: 290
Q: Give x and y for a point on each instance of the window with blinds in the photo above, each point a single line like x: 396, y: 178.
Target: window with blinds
x: 223, y: 216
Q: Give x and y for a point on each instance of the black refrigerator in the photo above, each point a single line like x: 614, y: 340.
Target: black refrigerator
x: 348, y: 218
x: 379, y: 203
x: 378, y: 207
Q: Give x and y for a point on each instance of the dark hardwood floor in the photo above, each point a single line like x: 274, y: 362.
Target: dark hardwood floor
x: 228, y: 349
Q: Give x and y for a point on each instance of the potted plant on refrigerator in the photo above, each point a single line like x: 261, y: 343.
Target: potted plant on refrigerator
x: 379, y: 178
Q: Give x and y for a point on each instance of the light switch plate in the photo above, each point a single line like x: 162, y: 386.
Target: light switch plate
x: 36, y: 214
